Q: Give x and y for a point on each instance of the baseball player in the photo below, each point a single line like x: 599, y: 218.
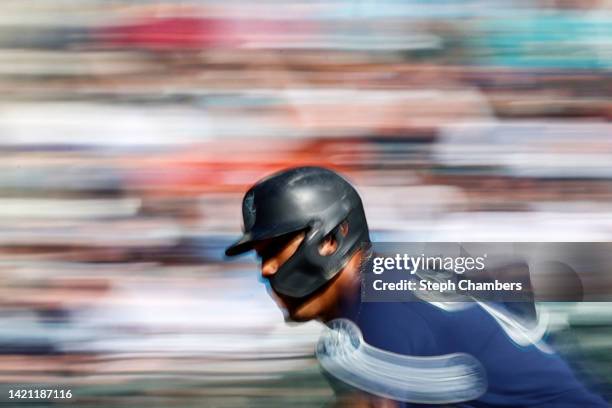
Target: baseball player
x: 309, y: 229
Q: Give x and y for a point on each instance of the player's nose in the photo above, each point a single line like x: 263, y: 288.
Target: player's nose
x: 269, y: 267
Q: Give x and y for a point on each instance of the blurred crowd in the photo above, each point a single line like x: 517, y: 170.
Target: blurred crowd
x: 129, y: 131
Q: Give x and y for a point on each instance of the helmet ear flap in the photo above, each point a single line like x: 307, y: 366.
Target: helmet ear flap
x: 314, y: 237
x: 314, y: 233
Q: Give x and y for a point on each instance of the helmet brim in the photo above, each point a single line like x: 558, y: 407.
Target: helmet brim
x: 249, y: 239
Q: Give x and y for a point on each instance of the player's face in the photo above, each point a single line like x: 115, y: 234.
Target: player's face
x: 273, y: 254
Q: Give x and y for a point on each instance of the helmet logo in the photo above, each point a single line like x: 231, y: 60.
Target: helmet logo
x: 249, y: 211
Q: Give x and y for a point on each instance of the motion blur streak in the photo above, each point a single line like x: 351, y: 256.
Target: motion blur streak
x: 426, y: 380
x: 129, y: 131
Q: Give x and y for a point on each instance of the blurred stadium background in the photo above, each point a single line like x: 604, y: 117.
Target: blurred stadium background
x: 130, y: 129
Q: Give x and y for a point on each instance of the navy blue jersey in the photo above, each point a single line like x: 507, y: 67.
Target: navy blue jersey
x: 518, y: 376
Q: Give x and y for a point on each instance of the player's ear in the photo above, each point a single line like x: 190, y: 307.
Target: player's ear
x: 328, y: 245
x: 344, y: 228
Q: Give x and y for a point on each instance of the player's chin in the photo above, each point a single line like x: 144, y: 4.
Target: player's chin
x: 288, y: 305
x: 295, y: 309
x: 296, y: 315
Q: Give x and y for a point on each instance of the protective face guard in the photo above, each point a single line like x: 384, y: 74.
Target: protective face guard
x: 307, y: 270
x: 444, y: 379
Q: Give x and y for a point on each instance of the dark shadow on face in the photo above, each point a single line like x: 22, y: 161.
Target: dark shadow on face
x: 275, y: 252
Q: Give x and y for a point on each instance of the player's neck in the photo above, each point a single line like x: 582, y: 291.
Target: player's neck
x: 348, y: 289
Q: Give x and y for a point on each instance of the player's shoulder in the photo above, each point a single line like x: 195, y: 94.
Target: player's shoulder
x: 448, y: 328
x: 396, y: 327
